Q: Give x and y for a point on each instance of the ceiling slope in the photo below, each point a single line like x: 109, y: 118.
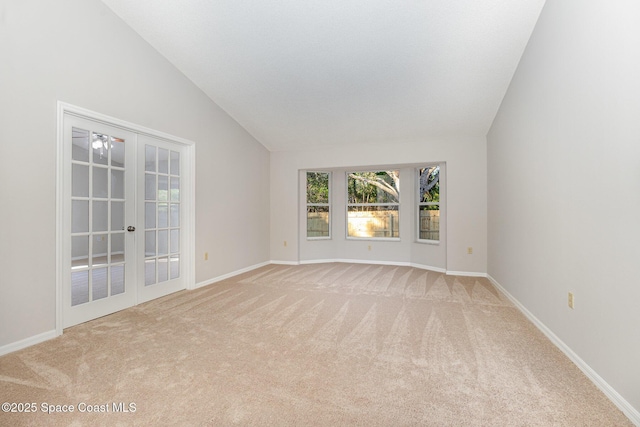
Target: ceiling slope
x: 301, y: 74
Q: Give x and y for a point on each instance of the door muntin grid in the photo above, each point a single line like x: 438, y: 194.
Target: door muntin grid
x: 162, y: 215
x: 97, y: 216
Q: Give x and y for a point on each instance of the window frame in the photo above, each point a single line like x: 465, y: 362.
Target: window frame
x: 420, y: 203
x: 327, y: 205
x: 348, y: 205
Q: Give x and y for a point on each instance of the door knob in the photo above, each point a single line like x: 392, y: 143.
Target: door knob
x: 131, y: 228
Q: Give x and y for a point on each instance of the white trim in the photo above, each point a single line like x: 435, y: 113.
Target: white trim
x: 284, y: 262
x: 372, y: 262
x: 377, y: 239
x: 466, y: 273
x: 632, y: 413
x: 28, y: 342
x: 60, y: 235
x: 428, y: 267
x: 228, y: 275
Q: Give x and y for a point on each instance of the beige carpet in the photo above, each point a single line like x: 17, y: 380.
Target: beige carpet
x: 325, y: 345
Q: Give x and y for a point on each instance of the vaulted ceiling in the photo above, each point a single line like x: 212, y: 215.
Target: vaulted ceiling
x: 302, y: 73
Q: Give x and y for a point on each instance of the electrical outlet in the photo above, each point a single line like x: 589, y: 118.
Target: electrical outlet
x: 470, y: 250
x: 285, y: 243
x: 206, y: 256
x: 369, y: 247
x: 570, y: 300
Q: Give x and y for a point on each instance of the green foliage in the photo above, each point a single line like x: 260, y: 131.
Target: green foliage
x: 430, y: 185
x: 373, y: 187
x: 317, y: 187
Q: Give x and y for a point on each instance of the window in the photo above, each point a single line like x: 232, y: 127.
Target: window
x: 318, y: 207
x: 429, y: 203
x: 373, y: 199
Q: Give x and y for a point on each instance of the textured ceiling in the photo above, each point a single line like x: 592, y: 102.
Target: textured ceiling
x: 299, y: 74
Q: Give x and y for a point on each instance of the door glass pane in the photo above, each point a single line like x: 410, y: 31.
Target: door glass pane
x: 163, y: 188
x: 163, y: 242
x: 150, y: 158
x: 100, y: 146
x: 100, y: 183
x: 175, y: 163
x: 149, y: 186
x: 175, y: 189
x: 80, y: 180
x: 117, y: 184
x: 163, y: 160
x: 117, y: 279
x: 79, y: 216
x: 162, y: 215
x: 163, y: 269
x: 100, y: 214
x: 99, y: 283
x: 150, y: 243
x: 175, y: 215
x: 149, y: 215
x: 149, y: 272
x: 79, y: 251
x: 79, y: 287
x: 117, y: 152
x: 117, y: 216
x: 80, y: 145
x: 99, y: 252
x: 174, y: 268
x: 175, y: 241
x: 117, y: 247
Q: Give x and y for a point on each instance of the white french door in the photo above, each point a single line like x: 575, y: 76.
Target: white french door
x: 124, y: 213
x: 160, y: 216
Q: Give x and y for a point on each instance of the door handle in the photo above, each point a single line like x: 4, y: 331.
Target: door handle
x: 131, y: 228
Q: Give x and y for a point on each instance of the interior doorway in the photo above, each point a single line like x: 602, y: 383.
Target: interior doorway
x: 125, y: 228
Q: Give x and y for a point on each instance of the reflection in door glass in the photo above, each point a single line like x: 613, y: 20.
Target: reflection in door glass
x: 162, y: 219
x: 79, y: 287
x: 163, y: 160
x: 117, y: 279
x: 99, y: 283
x: 175, y: 267
x: 149, y: 272
x: 80, y: 180
x: 79, y: 252
x: 80, y: 216
x: 100, y: 146
x: 100, y: 214
x: 117, y: 152
x: 100, y: 183
x: 97, y: 222
x: 163, y: 269
x: 117, y: 247
x: 80, y: 145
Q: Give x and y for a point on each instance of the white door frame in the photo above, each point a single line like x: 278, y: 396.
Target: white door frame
x: 188, y: 190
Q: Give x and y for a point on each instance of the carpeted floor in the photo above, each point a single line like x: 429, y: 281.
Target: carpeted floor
x: 321, y: 345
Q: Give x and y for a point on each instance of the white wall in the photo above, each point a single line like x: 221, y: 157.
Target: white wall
x: 564, y: 184
x: 465, y: 160
x: 79, y: 52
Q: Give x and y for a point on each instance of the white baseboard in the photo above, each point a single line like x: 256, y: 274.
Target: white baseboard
x: 284, y: 262
x: 28, y: 342
x: 375, y: 262
x: 465, y: 273
x: 228, y: 275
x: 632, y: 413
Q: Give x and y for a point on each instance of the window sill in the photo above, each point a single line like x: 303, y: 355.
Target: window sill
x: 378, y: 239
x: 428, y: 242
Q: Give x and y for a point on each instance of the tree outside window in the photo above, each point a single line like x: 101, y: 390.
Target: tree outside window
x: 429, y: 203
x: 373, y: 201
x: 318, y: 206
